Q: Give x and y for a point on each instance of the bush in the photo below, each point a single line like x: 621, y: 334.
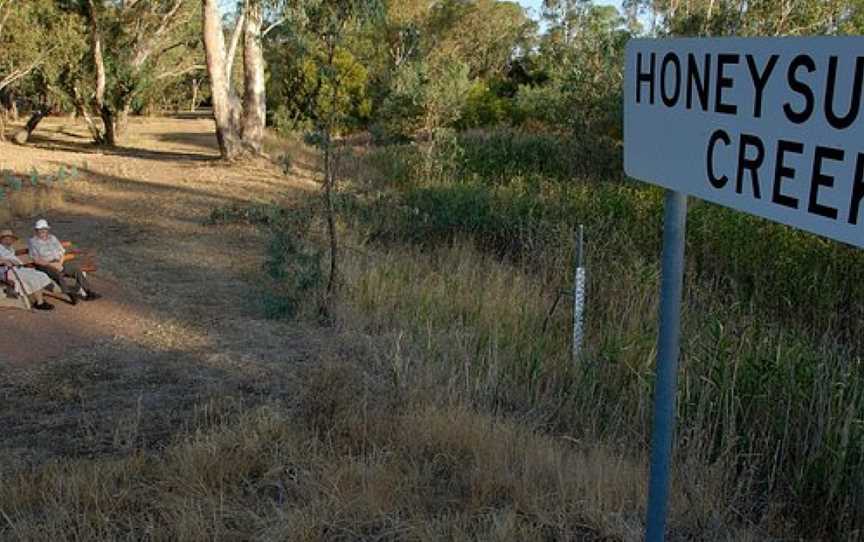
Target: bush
x: 24, y: 196
x: 484, y: 108
x: 292, y: 264
x: 770, y: 373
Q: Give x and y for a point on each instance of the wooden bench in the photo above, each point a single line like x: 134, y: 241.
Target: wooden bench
x: 10, y: 299
x: 88, y: 259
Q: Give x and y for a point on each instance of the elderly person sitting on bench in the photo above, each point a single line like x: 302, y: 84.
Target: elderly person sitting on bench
x: 29, y: 282
x: 48, y: 253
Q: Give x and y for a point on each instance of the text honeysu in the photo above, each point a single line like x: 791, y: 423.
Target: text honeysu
x: 770, y: 126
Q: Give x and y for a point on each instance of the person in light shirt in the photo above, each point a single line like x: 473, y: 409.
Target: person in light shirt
x: 29, y: 282
x: 47, y: 254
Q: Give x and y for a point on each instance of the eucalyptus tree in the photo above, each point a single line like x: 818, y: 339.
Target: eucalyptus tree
x: 37, y: 39
x: 33, y: 36
x: 752, y: 17
x: 240, y: 119
x: 133, y: 44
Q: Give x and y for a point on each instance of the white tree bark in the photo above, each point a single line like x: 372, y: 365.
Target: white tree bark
x: 108, y: 134
x: 239, y: 25
x: 224, y: 106
x: 254, y: 99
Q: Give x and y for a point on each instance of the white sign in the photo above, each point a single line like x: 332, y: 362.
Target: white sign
x: 768, y: 126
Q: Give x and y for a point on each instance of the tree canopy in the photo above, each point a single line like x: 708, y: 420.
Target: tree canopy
x: 399, y: 68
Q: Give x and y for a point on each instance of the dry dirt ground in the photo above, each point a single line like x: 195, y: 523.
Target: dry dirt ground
x: 180, y: 323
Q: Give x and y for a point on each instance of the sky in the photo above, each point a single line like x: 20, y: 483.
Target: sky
x: 534, y: 5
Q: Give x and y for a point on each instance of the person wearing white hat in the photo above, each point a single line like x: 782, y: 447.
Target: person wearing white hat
x: 47, y: 254
x: 29, y: 282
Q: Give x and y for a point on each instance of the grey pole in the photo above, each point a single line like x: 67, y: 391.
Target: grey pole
x: 668, y: 348
x: 579, y: 296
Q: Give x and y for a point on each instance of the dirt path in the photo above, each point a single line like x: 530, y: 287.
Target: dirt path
x: 30, y: 337
x: 178, y: 323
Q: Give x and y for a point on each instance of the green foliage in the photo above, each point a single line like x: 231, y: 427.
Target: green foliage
x: 36, y: 38
x: 545, y: 104
x: 582, y: 56
x: 323, y: 83
x: 293, y: 267
x: 484, y: 108
x: 306, y: 91
x: 425, y: 97
x: 756, y: 18
x: 507, y: 153
x: 509, y: 193
x: 483, y: 33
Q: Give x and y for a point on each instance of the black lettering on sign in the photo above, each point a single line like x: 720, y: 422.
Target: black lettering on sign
x: 760, y: 79
x: 800, y: 117
x: 670, y: 100
x: 857, y: 191
x: 782, y: 171
x: 724, y: 82
x: 645, y: 77
x: 699, y: 82
x: 841, y: 123
x: 821, y: 180
x: 752, y: 164
x: 718, y: 135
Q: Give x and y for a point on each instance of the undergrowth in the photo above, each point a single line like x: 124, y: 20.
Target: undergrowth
x: 459, y: 270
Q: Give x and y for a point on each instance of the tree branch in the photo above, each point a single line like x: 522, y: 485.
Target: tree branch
x: 180, y: 72
x: 19, y: 74
x: 5, y: 12
x: 274, y: 25
x: 235, y: 39
x: 145, y: 47
x: 172, y: 47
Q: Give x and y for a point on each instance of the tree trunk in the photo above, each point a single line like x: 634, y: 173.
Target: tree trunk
x: 107, y: 134
x: 330, y: 176
x: 254, y: 100
x: 22, y: 136
x: 109, y: 126
x: 239, y: 27
x: 8, y: 105
x: 225, y: 106
x: 194, y: 105
x: 81, y: 110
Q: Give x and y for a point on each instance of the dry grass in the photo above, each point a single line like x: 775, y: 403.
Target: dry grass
x: 29, y: 202
x: 431, y: 412
x: 769, y: 418
x: 346, y: 463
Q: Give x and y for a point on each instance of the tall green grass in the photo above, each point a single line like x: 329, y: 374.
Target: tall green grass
x: 459, y: 272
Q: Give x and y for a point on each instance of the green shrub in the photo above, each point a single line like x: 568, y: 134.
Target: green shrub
x: 484, y: 108
x: 293, y: 265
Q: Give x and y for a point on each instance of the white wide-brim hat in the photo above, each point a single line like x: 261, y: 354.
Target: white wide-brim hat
x: 42, y: 224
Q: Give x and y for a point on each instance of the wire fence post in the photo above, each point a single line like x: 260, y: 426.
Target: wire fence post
x: 579, y: 295
x: 668, y: 348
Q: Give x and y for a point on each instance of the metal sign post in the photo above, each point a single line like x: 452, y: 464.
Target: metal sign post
x: 668, y: 347
x: 767, y: 126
